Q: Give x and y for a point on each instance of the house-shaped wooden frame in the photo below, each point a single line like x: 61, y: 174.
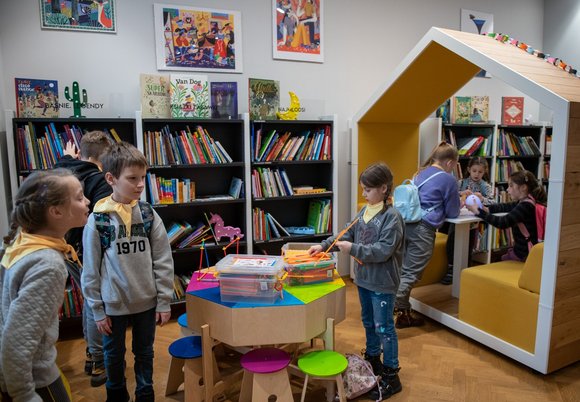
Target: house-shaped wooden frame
x: 387, y: 128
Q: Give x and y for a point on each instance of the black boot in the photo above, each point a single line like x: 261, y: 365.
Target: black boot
x: 145, y: 398
x: 448, y: 278
x: 389, y: 385
x: 375, y: 362
x: 88, y: 362
x: 117, y: 395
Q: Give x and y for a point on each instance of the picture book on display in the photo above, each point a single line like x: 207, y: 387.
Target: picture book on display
x: 512, y: 110
x: 461, y: 109
x: 224, y: 100
x: 444, y: 111
x: 264, y: 98
x: 479, y: 109
x: 155, y: 96
x: 36, y: 97
x: 189, y: 96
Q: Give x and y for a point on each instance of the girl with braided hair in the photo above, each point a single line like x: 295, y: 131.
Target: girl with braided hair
x: 32, y: 281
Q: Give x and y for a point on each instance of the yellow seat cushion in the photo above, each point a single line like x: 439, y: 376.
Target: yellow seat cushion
x: 437, y: 267
x: 491, y: 300
x: 531, y: 276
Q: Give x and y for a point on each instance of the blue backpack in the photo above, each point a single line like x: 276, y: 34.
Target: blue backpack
x: 407, y: 200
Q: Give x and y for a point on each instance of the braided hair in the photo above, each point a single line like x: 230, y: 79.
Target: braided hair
x: 38, y: 192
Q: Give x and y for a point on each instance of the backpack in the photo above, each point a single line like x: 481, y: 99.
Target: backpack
x: 358, y: 378
x: 103, y: 223
x: 407, y: 200
x: 540, y: 211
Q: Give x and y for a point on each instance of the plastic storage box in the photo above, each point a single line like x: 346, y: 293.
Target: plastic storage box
x: 250, y: 278
x: 308, y: 272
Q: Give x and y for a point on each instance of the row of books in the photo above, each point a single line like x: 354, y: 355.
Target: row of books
x: 504, y: 168
x: 501, y: 238
x: 476, y: 146
x: 183, y: 148
x: 72, y: 305
x: 265, y: 226
x: 43, y: 150
x: 319, y: 213
x: 546, y: 175
x: 276, y: 146
x: 509, y: 144
x: 180, y: 283
x: 183, y: 235
x: 268, y: 182
x: 170, y: 191
x: 502, y: 195
x: 481, y: 238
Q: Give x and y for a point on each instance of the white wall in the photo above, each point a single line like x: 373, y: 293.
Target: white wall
x: 562, y: 30
x: 365, y: 40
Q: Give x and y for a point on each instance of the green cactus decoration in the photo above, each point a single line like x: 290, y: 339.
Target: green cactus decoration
x: 76, y: 98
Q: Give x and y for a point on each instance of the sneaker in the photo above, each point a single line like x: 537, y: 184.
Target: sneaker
x: 389, y: 385
x: 448, y: 278
x: 375, y: 362
x: 406, y: 319
x: 98, y: 374
x: 88, y: 362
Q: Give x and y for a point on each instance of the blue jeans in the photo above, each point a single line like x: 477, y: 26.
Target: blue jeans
x: 114, y: 346
x: 377, y: 318
x: 92, y: 335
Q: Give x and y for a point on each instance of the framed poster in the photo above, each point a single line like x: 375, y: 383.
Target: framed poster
x: 198, y: 39
x: 298, y: 30
x: 78, y: 15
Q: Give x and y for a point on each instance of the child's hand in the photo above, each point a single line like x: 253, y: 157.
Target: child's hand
x: 344, y: 246
x: 479, y: 195
x: 465, y: 193
x: 162, y: 318
x: 313, y: 250
x: 104, y: 326
x: 71, y: 150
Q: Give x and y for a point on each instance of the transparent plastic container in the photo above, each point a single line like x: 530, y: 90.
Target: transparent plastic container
x: 309, y: 272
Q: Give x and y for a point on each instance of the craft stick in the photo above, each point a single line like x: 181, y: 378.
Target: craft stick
x: 211, y: 228
x: 342, y: 233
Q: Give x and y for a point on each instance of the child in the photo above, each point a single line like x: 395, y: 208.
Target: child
x: 376, y: 243
x: 128, y: 272
x: 94, y: 144
x: 440, y: 200
x: 475, y: 183
x: 521, y: 185
x: 32, y: 283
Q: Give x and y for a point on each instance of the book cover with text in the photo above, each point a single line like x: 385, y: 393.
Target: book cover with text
x: 479, y: 109
x: 512, y: 110
x: 264, y: 98
x: 224, y: 100
x: 36, y: 97
x: 155, y: 96
x: 461, y: 109
x: 189, y: 96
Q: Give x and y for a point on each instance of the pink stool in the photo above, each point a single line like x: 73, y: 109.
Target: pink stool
x: 265, y: 375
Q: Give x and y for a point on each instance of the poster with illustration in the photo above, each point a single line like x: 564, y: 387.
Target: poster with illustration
x: 198, y: 39
x: 298, y: 30
x: 78, y: 15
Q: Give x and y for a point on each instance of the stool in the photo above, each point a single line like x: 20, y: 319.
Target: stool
x: 265, y: 372
x: 185, y: 368
x: 324, y: 365
x: 182, y: 321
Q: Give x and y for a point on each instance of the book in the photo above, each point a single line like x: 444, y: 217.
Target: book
x: 444, y: 111
x: 264, y: 99
x: 189, y: 96
x: 235, y: 187
x: 479, y: 109
x: 224, y: 100
x: 36, y: 97
x: 512, y: 110
x: 155, y: 96
x: 461, y: 109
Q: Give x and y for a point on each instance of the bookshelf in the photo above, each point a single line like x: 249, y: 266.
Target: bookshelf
x: 285, y: 155
x: 36, y: 144
x: 180, y: 153
x: 546, y: 156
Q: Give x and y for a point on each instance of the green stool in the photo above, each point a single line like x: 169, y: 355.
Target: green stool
x: 324, y: 365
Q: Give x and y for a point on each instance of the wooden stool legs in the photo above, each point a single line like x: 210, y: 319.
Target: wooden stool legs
x: 258, y: 387
x: 329, y: 387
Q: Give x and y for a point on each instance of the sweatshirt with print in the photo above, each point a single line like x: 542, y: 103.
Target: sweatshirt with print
x: 32, y: 293
x: 133, y: 273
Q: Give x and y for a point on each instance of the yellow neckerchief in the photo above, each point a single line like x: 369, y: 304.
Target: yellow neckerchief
x: 372, y: 210
x: 125, y: 211
x: 26, y: 243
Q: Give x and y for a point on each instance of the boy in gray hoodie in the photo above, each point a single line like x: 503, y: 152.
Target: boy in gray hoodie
x: 128, y: 272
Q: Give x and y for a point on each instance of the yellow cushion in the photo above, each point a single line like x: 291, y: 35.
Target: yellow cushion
x: 531, y: 276
x: 437, y: 267
x: 491, y: 300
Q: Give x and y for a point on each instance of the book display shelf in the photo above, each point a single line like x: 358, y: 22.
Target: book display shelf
x: 194, y: 165
x: 293, y: 182
x: 37, y: 143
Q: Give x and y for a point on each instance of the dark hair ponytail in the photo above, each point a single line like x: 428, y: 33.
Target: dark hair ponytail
x: 535, y: 189
x: 376, y: 175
